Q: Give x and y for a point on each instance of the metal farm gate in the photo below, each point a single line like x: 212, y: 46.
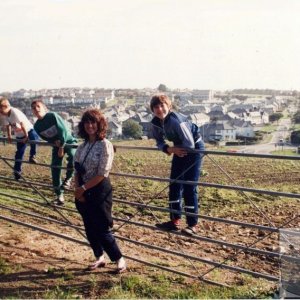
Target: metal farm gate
x: 216, y: 251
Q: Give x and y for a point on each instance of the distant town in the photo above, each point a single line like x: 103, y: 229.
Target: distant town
x: 223, y: 116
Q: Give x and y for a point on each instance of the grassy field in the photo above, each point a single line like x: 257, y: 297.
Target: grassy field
x: 63, y: 279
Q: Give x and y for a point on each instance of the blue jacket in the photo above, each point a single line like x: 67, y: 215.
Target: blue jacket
x: 176, y: 128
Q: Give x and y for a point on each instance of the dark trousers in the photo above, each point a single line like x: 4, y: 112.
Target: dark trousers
x: 185, y: 168
x: 56, y: 172
x: 21, y: 147
x: 97, y: 219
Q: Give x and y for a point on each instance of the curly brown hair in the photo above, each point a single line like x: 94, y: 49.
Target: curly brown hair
x: 93, y: 115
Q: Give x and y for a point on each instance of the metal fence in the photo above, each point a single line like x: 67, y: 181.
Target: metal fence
x: 226, y: 254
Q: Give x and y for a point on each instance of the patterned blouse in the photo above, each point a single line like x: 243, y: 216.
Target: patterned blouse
x: 99, y: 159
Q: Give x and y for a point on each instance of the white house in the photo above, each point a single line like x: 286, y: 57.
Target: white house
x: 199, y: 119
x: 115, y: 129
x: 218, y: 131
x: 194, y: 108
x: 256, y: 117
x: 243, y: 128
x: 200, y: 95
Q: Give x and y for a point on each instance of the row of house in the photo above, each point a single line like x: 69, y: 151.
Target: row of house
x: 226, y: 121
x: 218, y: 118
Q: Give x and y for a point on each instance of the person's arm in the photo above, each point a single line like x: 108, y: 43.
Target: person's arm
x: 8, y: 130
x: 76, y: 176
x: 181, y: 152
x: 186, y: 137
x: 162, y: 145
x: 159, y: 138
x: 25, y: 139
x: 62, y: 130
x: 185, y: 134
x: 62, y: 134
x: 77, y: 186
x: 104, y: 166
x: 79, y: 191
x: 61, y: 151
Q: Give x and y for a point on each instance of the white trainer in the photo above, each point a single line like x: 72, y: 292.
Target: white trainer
x: 99, y: 263
x: 121, y: 265
x: 60, y: 200
x: 67, y: 183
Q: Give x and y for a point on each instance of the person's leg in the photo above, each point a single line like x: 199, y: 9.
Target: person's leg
x: 99, y: 205
x: 70, y: 161
x: 175, y: 190
x: 56, y: 172
x: 110, y: 245
x: 91, y: 235
x: 193, y: 164
x: 18, y: 159
x: 32, y: 135
x: 107, y: 239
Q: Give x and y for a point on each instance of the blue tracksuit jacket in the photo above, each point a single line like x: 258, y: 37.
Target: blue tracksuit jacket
x: 176, y: 128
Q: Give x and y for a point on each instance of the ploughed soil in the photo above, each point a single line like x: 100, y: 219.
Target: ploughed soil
x: 34, y: 264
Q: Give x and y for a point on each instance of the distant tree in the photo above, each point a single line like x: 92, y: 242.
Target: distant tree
x: 275, y: 117
x: 22, y: 103
x: 296, y: 117
x: 241, y: 97
x: 103, y: 105
x: 295, y: 137
x: 132, y: 129
x: 162, y: 88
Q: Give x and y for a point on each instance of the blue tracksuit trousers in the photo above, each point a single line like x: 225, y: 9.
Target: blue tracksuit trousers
x: 185, y: 168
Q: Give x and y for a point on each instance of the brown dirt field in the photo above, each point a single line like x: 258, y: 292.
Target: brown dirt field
x: 40, y: 263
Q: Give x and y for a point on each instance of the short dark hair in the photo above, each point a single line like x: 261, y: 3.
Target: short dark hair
x: 37, y: 101
x: 159, y: 99
x: 93, y: 115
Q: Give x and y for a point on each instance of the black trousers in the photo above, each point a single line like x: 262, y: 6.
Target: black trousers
x: 97, y: 219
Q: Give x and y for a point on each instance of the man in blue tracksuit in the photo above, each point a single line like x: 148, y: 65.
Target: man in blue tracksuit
x: 185, y: 135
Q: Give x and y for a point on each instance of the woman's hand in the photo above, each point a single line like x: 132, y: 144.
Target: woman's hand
x: 181, y: 152
x: 79, y: 192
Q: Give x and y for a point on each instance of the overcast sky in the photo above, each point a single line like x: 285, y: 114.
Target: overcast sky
x: 202, y: 44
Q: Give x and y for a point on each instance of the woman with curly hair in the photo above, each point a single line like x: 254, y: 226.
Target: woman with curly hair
x: 93, y: 190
